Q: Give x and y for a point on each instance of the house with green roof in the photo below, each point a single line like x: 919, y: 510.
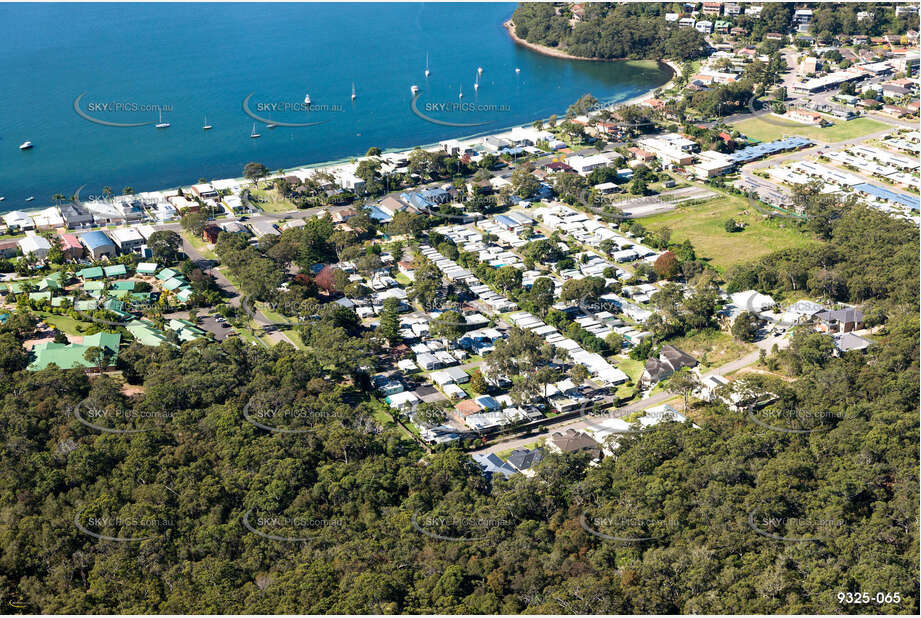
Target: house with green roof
x: 147, y: 268
x: 145, y: 333
x: 73, y: 355
x: 61, y: 301
x: 40, y: 296
x: 166, y: 274
x: 15, y: 287
x: 174, y: 284
x: 185, y: 295
x: 85, y: 305
x: 141, y: 298
x: 117, y: 270
x: 123, y: 285
x: 120, y: 294
x: 94, y: 286
x: 186, y: 330
x: 49, y: 283
x: 90, y: 273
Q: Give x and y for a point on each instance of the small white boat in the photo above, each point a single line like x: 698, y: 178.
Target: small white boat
x: 460, y: 95
x: 254, y: 135
x: 414, y: 89
x: 517, y: 70
x: 427, y: 73
x: 30, y: 198
x: 354, y: 96
x: 160, y: 124
x: 307, y: 99
x: 206, y: 126
x: 25, y: 145
x: 2, y: 197
x: 476, y: 83
x: 479, y: 70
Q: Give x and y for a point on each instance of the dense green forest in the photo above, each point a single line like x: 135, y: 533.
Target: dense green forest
x: 609, y: 30
x: 638, y: 30
x: 341, y: 513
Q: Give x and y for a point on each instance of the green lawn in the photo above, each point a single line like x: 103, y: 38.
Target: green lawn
x: 273, y: 203
x: 64, y: 323
x: 200, y: 245
x: 702, y: 224
x: 766, y: 131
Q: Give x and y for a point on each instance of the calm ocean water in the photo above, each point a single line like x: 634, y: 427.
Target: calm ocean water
x: 197, y: 60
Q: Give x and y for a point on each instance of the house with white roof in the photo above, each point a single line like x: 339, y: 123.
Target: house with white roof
x: 35, y: 245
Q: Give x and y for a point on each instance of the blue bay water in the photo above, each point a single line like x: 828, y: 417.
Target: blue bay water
x: 202, y: 60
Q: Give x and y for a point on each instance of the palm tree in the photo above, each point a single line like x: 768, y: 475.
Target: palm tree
x: 58, y: 198
x: 107, y: 191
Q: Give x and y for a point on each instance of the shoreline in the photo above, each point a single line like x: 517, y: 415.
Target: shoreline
x: 341, y: 164
x: 509, y: 26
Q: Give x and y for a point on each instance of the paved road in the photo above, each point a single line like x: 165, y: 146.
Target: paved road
x: 582, y: 423
x: 746, y: 171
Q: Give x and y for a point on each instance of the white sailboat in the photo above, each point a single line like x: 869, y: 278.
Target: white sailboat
x: 460, y: 95
x: 354, y: 96
x: 160, y: 124
x: 307, y: 99
x: 206, y: 126
x: 25, y: 145
x: 254, y: 135
x: 476, y: 83
x: 414, y: 89
x: 427, y: 72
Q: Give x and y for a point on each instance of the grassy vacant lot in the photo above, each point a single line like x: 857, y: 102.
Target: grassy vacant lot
x: 712, y: 348
x: 270, y: 201
x: 200, y: 245
x: 702, y: 224
x: 840, y: 131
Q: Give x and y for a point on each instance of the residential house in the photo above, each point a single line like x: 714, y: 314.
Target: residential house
x: 127, y: 239
x: 210, y: 233
x: 840, y: 321
x: 848, y: 342
x: 71, y: 246
x: 525, y: 461
x: 572, y: 441
x: 670, y: 360
x: 98, y: 245
x: 712, y: 8
x: 35, y: 245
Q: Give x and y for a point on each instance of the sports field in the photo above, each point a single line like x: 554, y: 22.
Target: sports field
x: 764, y: 130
